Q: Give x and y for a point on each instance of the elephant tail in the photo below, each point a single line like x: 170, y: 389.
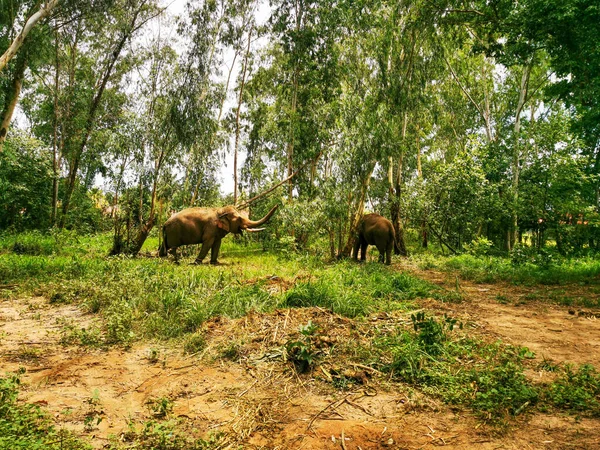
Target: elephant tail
x: 162, y: 250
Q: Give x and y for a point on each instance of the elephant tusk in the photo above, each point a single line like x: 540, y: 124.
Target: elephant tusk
x: 254, y: 230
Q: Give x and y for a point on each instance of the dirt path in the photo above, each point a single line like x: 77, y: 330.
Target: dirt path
x: 257, y: 402
x: 528, y: 316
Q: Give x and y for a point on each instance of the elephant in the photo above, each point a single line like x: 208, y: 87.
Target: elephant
x: 374, y: 229
x: 207, y: 226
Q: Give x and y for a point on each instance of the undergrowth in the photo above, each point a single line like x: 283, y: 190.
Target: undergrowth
x: 24, y: 426
x: 487, y: 378
x: 543, y: 270
x: 153, y: 297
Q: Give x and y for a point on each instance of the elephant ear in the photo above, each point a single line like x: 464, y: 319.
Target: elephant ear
x: 223, y: 222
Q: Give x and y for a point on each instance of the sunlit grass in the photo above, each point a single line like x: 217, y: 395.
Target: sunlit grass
x: 489, y: 269
x: 154, y: 297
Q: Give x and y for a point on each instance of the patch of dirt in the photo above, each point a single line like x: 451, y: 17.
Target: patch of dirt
x: 527, y: 316
x: 239, y: 385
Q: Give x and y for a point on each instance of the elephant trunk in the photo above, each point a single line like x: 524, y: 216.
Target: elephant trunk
x: 249, y: 224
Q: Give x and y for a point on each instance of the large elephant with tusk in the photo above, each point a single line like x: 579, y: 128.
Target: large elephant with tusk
x: 206, y: 226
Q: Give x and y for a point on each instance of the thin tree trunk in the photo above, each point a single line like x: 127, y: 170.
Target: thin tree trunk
x: 55, y: 147
x: 16, y: 44
x: 237, y: 120
x: 212, y: 138
x: 395, y: 194
x: 512, y: 236
x: 356, y: 213
x: 14, y: 91
x: 291, y: 138
x: 424, y: 237
x: 290, y: 146
x: 91, y: 117
x: 485, y: 115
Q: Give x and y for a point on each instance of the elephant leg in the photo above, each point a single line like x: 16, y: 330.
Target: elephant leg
x: 388, y: 253
x: 363, y: 250
x: 355, y: 249
x: 173, y: 251
x: 381, y: 249
x: 214, y: 251
x: 206, y: 246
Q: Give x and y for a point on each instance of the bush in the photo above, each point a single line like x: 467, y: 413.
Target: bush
x: 479, y: 247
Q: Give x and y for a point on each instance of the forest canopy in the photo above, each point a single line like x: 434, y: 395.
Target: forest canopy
x: 470, y: 124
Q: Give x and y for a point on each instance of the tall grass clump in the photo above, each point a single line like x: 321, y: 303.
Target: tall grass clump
x: 353, y: 290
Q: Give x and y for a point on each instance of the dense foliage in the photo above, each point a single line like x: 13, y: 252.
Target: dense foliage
x: 460, y: 121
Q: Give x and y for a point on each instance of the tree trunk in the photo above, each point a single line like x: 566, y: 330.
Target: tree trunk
x: 395, y: 195
x: 237, y: 121
x: 16, y: 44
x: 197, y: 186
x: 12, y: 99
x: 356, y: 213
x: 513, y: 233
x: 91, y: 117
x: 55, y: 154
x: 290, y: 146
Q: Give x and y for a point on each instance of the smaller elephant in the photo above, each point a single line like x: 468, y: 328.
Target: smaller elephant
x: 376, y: 230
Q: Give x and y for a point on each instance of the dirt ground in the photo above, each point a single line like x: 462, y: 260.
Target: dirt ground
x: 258, y: 402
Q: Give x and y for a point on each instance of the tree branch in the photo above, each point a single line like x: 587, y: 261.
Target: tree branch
x: 18, y: 41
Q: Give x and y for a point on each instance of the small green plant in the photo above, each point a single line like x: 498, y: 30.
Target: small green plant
x: 232, y: 351
x: 28, y: 353
x: 71, y: 334
x: 93, y: 416
x: 432, y: 333
x: 156, y: 435
x: 302, y: 352
x: 160, y: 407
x: 152, y: 356
x: 119, y: 323
x: 503, y: 299
x: 577, y: 390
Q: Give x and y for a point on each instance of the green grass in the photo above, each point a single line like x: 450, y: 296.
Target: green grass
x: 24, y: 426
x: 487, y: 378
x: 153, y: 297
x: 150, y: 297
x: 489, y: 269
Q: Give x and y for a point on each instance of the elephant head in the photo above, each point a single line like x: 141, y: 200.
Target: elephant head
x: 232, y: 221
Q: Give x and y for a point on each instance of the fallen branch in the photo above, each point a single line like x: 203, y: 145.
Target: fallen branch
x: 438, y: 235
x: 268, y: 191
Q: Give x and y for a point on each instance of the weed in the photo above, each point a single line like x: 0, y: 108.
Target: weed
x: 577, y: 390
x: 70, y: 334
x: 157, y: 435
x: 503, y: 299
x: 28, y: 353
x: 152, y: 356
x: 194, y: 343
x: 432, y: 333
x: 302, y: 352
x: 26, y: 426
x: 232, y: 351
x: 119, y: 323
x: 160, y: 407
x: 93, y: 416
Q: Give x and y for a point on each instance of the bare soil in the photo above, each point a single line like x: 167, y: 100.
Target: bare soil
x: 239, y: 385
